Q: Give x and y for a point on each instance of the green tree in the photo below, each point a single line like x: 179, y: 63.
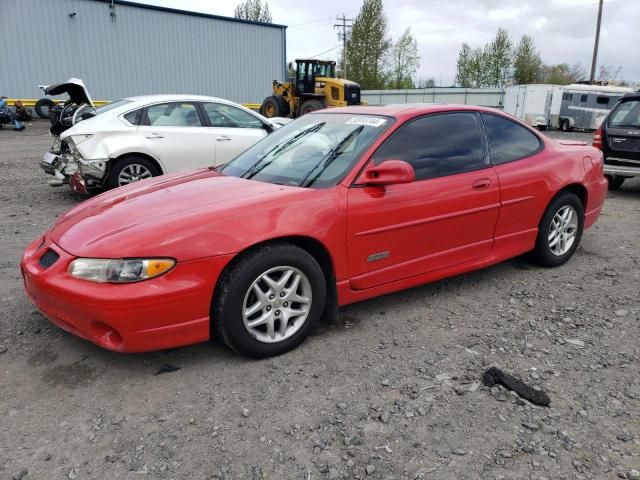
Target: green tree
x: 487, y: 66
x: 527, y: 63
x: 404, y: 61
x: 254, y: 10
x: 464, y: 77
x: 368, y: 46
x: 478, y: 68
x: 497, y: 60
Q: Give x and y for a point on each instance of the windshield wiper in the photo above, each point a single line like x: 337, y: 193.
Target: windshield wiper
x: 328, y: 158
x: 258, y: 166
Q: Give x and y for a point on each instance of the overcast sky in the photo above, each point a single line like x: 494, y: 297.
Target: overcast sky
x: 563, y: 30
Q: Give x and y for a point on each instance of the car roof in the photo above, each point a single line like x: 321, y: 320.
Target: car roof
x: 175, y: 97
x: 407, y: 109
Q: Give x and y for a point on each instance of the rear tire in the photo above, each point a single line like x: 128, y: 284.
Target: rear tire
x: 311, y: 106
x: 560, y: 230
x: 43, y: 106
x: 564, y: 125
x: 615, y: 181
x: 274, y: 106
x: 131, y: 169
x: 237, y: 304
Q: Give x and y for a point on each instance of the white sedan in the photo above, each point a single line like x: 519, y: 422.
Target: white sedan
x: 141, y: 137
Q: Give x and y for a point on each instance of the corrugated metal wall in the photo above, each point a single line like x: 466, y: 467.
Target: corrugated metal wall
x: 488, y: 97
x: 142, y: 51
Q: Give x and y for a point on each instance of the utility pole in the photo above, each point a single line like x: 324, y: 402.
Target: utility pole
x: 595, y: 46
x: 346, y: 24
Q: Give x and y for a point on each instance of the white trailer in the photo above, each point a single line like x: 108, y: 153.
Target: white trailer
x: 530, y: 103
x: 561, y: 106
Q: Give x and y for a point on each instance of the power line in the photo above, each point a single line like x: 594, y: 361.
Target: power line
x: 346, y: 24
x: 326, y: 51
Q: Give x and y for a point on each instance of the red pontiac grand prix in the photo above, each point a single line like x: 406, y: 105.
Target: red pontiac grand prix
x: 335, y: 207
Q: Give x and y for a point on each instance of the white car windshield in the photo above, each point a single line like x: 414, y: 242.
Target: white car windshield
x: 315, y: 150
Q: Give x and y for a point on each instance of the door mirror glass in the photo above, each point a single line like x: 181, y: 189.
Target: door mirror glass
x: 389, y: 172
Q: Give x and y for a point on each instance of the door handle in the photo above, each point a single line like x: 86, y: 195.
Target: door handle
x: 481, y: 184
x: 223, y: 138
x: 154, y: 135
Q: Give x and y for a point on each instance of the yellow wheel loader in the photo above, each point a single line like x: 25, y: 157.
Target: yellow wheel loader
x: 312, y: 86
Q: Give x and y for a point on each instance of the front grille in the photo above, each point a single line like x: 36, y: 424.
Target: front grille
x: 49, y: 258
x: 352, y: 94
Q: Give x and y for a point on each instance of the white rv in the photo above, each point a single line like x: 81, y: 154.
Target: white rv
x: 561, y: 106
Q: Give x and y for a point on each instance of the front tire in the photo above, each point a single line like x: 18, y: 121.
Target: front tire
x: 274, y: 106
x: 131, y: 169
x: 269, y: 300
x: 564, y: 125
x: 560, y: 230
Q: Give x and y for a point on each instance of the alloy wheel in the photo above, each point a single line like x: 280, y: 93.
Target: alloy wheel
x: 133, y: 173
x: 563, y: 230
x: 277, y: 304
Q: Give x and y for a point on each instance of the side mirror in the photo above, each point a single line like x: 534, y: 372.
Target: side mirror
x: 389, y: 172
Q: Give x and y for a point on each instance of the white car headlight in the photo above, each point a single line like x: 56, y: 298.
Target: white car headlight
x: 105, y: 270
x: 78, y: 139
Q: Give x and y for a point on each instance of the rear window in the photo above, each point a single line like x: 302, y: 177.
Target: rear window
x: 626, y: 114
x: 111, y: 106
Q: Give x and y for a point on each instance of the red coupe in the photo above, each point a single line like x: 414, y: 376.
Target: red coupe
x: 333, y: 208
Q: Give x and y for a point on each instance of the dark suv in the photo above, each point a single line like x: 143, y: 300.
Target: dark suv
x: 619, y: 139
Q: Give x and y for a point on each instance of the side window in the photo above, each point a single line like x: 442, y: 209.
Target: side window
x: 583, y: 98
x: 508, y: 141
x: 134, y: 117
x: 221, y: 115
x: 603, y: 100
x: 567, y: 96
x: 437, y: 145
x: 175, y: 114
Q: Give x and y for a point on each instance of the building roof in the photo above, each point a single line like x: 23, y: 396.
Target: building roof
x: 188, y: 12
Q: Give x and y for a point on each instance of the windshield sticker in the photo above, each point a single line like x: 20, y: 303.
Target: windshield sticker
x: 367, y: 121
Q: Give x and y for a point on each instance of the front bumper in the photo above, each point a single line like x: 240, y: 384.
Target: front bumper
x: 165, y: 312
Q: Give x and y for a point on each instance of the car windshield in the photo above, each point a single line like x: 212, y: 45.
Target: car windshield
x: 111, y: 106
x: 313, y: 151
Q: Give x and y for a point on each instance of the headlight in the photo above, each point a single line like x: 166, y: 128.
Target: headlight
x: 78, y: 139
x: 105, y: 270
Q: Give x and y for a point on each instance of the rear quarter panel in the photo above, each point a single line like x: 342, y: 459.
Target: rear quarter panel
x: 528, y: 185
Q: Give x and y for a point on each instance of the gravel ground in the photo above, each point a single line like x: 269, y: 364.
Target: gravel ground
x: 386, y: 393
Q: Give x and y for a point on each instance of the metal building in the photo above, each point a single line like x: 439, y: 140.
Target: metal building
x: 121, y: 48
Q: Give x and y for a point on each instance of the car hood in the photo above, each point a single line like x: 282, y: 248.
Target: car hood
x: 75, y: 88
x: 173, y: 216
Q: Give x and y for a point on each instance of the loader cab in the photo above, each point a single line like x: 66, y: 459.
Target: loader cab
x: 308, y: 70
